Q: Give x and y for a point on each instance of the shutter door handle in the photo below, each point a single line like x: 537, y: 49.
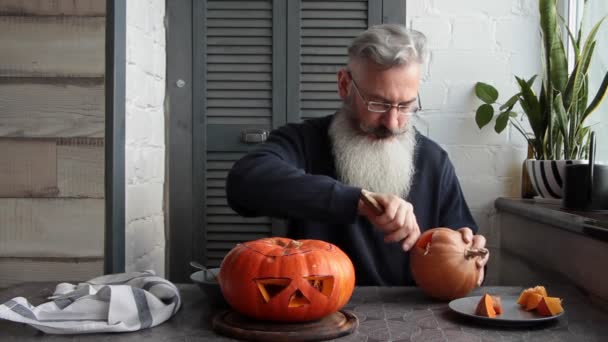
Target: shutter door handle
x: 254, y: 135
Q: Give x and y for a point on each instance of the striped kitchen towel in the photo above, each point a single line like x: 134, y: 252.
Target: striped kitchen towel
x: 110, y: 303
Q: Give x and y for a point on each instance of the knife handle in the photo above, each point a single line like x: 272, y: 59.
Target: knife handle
x: 371, y: 203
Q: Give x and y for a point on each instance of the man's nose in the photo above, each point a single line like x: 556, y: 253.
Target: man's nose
x: 391, y: 119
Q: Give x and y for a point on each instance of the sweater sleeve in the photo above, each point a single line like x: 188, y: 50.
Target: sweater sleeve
x: 454, y: 211
x: 272, y: 180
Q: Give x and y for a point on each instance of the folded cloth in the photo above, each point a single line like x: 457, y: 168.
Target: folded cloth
x: 110, y: 303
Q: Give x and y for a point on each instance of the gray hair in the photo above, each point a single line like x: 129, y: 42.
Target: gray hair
x: 389, y: 45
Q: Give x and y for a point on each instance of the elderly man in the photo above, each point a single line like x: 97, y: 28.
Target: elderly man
x: 314, y: 173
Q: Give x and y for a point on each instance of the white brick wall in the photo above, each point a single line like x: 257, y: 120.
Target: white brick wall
x: 470, y: 41
x: 145, y: 136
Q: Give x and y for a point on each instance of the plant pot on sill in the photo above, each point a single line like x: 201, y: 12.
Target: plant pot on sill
x: 547, y: 176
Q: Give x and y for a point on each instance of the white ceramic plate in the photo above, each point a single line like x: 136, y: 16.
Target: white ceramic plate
x: 512, y: 313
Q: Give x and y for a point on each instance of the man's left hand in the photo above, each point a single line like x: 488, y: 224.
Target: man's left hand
x: 479, y: 241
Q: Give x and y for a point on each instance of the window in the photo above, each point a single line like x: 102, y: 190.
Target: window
x: 596, y: 9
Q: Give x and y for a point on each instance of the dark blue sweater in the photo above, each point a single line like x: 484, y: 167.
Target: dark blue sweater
x: 292, y: 176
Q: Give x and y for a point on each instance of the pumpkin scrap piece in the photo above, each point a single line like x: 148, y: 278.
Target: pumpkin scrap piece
x: 550, y: 306
x: 497, y: 304
x: 523, y: 297
x: 488, y: 306
x: 537, y: 298
x: 533, y: 300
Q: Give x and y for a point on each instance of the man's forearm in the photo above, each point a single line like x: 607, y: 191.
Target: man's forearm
x: 262, y: 185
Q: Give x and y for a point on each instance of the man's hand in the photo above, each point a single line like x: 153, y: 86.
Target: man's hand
x: 397, y: 222
x: 479, y: 241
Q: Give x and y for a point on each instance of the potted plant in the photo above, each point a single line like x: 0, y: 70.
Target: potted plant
x: 557, y: 114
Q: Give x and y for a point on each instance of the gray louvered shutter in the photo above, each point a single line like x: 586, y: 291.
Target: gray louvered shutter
x: 317, y: 49
x: 239, y: 38
x: 265, y: 63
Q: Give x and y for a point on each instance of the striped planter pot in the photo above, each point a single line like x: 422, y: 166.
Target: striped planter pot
x: 547, y: 176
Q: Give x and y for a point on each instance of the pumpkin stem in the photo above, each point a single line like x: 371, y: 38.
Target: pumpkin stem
x: 294, y: 244
x: 475, y: 252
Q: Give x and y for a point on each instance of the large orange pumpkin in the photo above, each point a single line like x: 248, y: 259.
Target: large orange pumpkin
x: 280, y: 279
x: 443, y: 265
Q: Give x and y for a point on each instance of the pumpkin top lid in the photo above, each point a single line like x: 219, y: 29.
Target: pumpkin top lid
x: 279, y: 246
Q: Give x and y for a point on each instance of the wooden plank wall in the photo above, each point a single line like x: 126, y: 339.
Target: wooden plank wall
x: 51, y: 140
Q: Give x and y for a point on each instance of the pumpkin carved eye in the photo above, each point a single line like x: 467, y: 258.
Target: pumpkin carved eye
x: 323, y: 284
x: 270, y: 287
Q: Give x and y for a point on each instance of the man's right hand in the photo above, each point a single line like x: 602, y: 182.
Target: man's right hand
x: 397, y: 222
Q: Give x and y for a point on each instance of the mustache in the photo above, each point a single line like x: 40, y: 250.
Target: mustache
x: 382, y: 132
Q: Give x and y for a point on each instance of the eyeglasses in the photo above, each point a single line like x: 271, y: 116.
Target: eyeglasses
x: 383, y: 107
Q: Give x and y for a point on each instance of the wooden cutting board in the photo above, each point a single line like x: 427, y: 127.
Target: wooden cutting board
x: 231, y: 323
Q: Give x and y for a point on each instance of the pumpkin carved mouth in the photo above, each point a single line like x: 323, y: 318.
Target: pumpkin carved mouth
x: 271, y: 287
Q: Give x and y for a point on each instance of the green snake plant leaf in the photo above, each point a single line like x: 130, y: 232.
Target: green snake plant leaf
x: 484, y: 115
x: 486, y: 92
x: 530, y: 105
x: 501, y: 122
x: 601, y: 93
x: 508, y: 106
x: 581, y: 67
x: 555, y: 59
x: 557, y: 144
x: 579, y: 36
x: 531, y: 80
x: 573, y: 40
x: 583, y: 96
x: 579, y: 74
x: 542, y: 101
x: 562, y: 120
x: 583, y: 141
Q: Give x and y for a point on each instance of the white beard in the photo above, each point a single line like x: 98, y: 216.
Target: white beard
x: 383, y: 165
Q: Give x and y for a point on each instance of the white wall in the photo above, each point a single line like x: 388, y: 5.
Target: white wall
x: 145, y: 135
x: 470, y: 41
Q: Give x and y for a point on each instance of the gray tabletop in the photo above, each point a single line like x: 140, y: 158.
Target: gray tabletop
x: 385, y: 314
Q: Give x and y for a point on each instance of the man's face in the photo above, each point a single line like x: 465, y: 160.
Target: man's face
x: 375, y: 151
x: 397, y: 86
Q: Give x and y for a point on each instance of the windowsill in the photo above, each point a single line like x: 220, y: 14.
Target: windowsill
x: 571, y: 243
x: 589, y: 223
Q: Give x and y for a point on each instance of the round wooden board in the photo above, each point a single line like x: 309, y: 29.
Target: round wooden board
x: 231, y: 323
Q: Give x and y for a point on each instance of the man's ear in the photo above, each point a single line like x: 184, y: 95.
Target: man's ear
x: 343, y: 83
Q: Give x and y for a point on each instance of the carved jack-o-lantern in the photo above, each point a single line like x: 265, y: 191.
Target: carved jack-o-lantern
x: 281, y: 279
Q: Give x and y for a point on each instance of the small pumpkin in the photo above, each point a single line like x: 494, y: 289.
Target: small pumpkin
x: 280, y: 279
x: 443, y: 265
